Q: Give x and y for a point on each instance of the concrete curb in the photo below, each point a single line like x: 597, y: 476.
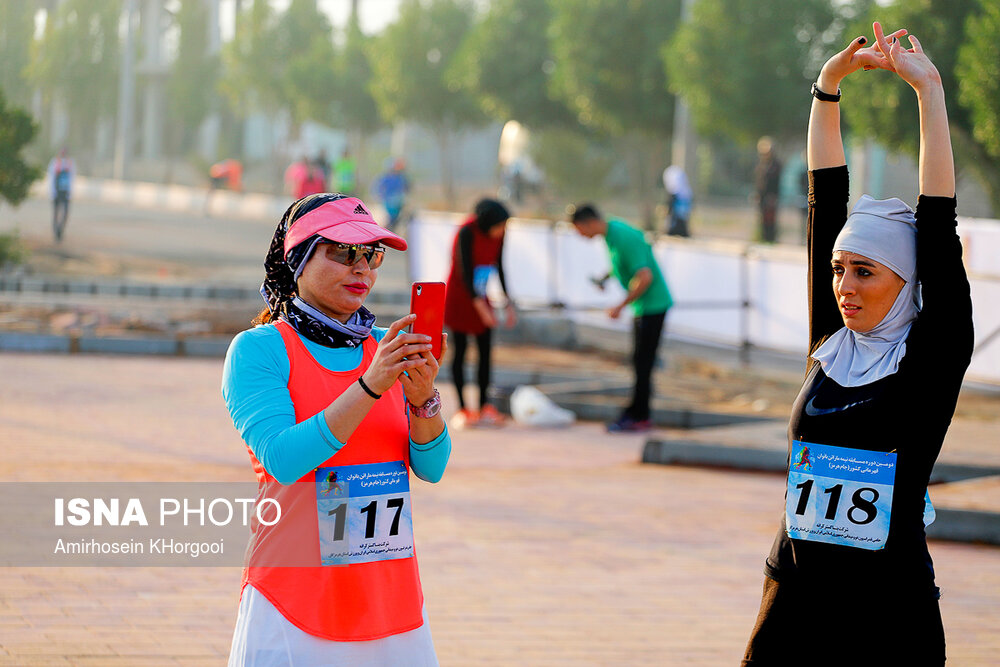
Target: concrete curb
x: 606, y: 411
x: 21, y: 284
x: 10, y: 284
x: 965, y: 526
x: 13, y: 341
x: 171, y: 346
x: 952, y: 525
x: 682, y: 452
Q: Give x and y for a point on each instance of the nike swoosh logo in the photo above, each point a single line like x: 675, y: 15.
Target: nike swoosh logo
x: 813, y: 411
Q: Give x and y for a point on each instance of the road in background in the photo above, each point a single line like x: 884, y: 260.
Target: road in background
x: 147, y: 244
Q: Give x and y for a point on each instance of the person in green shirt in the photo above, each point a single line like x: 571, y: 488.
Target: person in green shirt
x: 635, y: 267
x: 345, y: 173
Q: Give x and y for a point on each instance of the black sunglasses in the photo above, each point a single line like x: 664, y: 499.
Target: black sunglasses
x: 350, y: 254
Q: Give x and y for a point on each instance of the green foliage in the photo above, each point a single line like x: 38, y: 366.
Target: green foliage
x: 355, y: 107
x: 282, y: 61
x: 17, y: 129
x: 410, y: 58
x: 744, y: 66
x: 248, y: 68
x: 12, y: 251
x: 303, y: 42
x: 193, y: 75
x: 506, y: 62
x: 978, y: 71
x: 576, y: 166
x: 880, y: 105
x: 17, y: 25
x: 77, y: 62
x: 608, y: 66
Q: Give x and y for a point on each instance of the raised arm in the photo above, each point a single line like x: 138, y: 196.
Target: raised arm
x: 937, y: 165
x: 825, y: 145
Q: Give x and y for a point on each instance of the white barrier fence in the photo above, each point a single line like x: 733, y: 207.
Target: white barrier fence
x: 728, y: 293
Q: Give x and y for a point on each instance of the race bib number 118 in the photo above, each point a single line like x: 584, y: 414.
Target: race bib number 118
x: 839, y: 495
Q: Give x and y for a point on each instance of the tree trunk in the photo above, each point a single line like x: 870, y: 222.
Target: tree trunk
x: 646, y: 153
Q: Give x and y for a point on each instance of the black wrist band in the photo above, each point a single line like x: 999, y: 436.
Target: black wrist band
x: 824, y: 97
x: 368, y: 389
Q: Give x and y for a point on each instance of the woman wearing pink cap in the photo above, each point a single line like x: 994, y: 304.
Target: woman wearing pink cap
x: 849, y: 580
x: 334, y: 412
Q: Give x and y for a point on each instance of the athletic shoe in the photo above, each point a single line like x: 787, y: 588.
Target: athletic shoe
x: 464, y: 418
x: 489, y: 416
x: 628, y: 425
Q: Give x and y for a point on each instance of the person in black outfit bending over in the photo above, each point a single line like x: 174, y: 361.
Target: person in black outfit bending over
x: 849, y: 578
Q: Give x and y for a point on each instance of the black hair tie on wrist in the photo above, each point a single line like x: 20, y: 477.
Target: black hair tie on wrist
x: 368, y: 389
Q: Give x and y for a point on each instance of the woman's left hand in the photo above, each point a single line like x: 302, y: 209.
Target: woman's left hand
x: 418, y: 382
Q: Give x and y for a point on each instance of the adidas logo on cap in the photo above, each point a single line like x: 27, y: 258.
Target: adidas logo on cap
x: 360, y: 210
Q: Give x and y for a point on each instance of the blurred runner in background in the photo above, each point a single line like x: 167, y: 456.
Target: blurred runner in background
x: 345, y: 174
x: 314, y: 181
x: 61, y: 172
x: 767, y: 184
x: 295, y: 174
x: 226, y: 174
x: 391, y: 188
x: 679, y: 200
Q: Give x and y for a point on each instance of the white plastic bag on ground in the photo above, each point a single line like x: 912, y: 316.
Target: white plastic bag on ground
x: 531, y: 407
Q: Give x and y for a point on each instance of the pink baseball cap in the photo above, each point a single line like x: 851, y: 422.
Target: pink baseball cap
x: 345, y: 220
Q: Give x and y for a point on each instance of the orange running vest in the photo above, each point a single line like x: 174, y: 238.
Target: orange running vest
x: 353, y: 602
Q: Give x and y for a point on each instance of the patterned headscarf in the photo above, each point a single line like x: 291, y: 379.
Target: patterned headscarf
x: 280, y: 291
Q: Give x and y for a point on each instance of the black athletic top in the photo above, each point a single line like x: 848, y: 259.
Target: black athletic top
x: 908, y: 411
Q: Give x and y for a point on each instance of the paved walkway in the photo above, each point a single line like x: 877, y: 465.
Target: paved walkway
x: 537, y: 548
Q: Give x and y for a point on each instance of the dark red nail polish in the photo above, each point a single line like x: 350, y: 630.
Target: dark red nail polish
x: 861, y: 40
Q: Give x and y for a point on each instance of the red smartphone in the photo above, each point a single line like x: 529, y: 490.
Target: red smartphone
x: 427, y: 302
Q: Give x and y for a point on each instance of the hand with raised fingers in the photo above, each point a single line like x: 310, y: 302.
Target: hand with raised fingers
x: 418, y: 382
x: 910, y: 64
x: 398, y: 351
x: 856, y: 56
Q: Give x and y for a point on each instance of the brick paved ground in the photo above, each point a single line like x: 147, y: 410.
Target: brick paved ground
x: 538, y: 547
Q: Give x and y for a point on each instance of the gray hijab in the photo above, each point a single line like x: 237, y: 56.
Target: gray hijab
x: 883, y: 230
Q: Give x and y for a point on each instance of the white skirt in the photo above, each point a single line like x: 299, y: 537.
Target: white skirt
x: 265, y: 638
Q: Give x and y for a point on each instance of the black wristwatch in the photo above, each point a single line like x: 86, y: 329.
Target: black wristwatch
x: 824, y: 97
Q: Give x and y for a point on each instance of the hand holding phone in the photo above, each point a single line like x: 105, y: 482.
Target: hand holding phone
x: 427, y: 303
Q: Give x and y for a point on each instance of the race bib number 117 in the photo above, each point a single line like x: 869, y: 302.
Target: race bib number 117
x: 364, y: 513
x: 839, y: 495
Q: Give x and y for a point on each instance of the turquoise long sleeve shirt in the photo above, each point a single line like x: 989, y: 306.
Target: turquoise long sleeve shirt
x: 255, y: 389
